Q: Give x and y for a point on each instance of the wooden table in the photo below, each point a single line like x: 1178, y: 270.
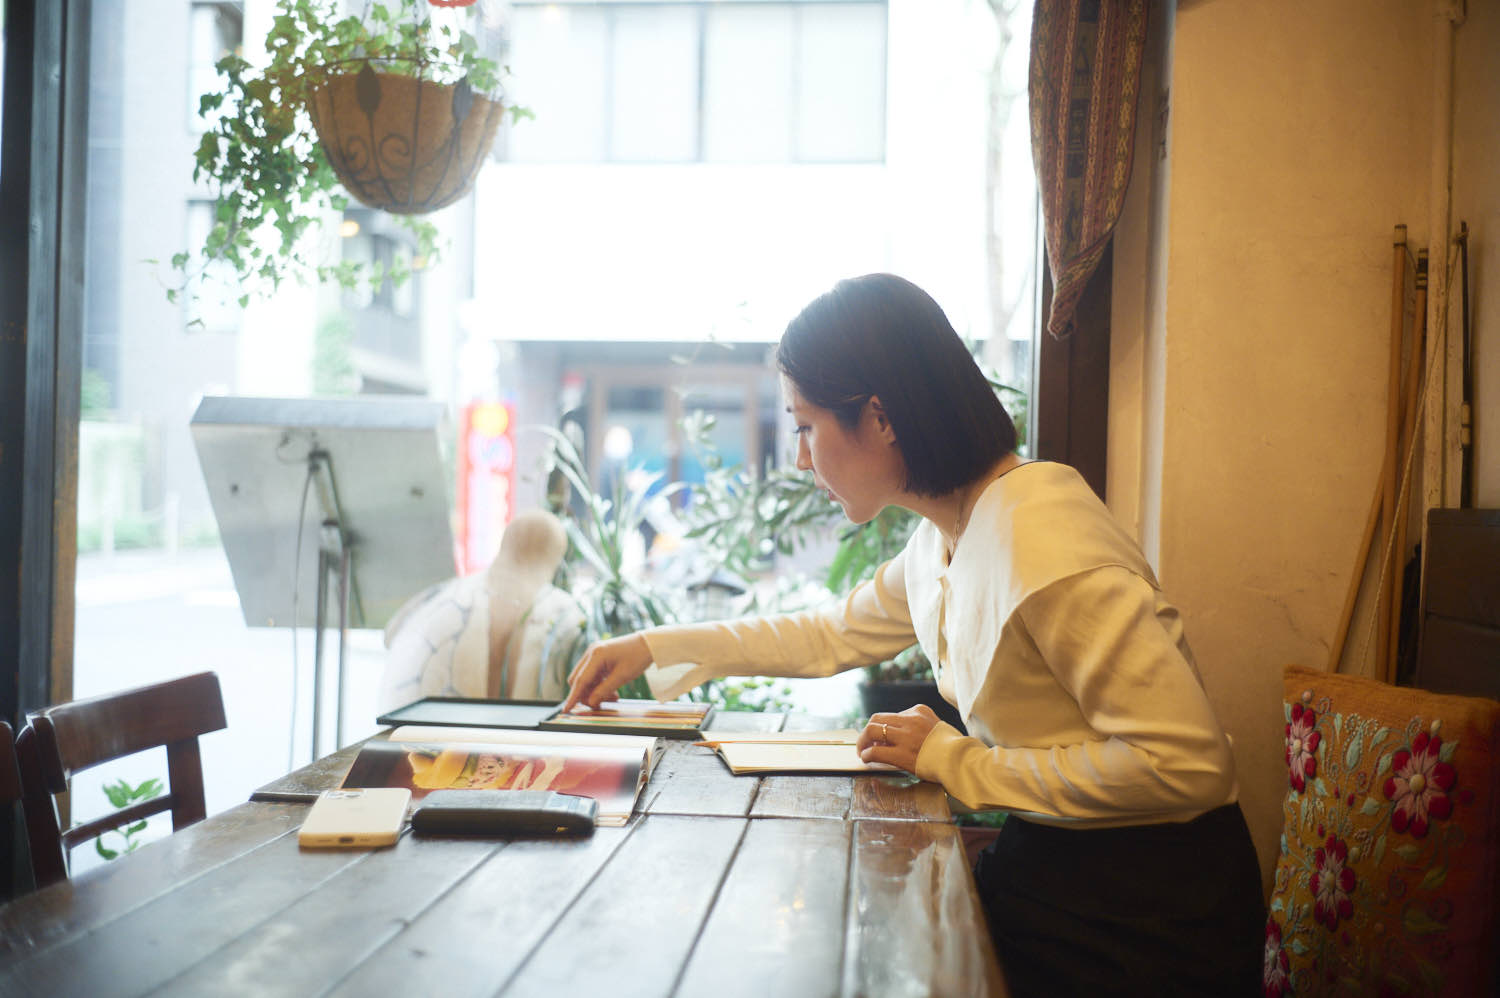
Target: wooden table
x: 719, y: 885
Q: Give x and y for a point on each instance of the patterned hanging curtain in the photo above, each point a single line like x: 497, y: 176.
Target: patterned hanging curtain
x: 1085, y: 76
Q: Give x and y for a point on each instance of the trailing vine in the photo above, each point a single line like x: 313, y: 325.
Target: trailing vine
x: 260, y: 156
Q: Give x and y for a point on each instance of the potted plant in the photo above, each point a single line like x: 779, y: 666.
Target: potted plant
x: 907, y: 679
x: 599, y: 532
x: 600, y: 529
x: 397, y: 108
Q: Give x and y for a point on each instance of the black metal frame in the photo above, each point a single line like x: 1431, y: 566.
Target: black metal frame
x: 42, y: 189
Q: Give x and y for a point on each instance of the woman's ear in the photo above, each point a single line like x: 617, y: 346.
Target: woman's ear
x: 882, y: 421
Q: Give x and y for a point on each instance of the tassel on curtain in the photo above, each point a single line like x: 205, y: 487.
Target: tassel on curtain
x: 1084, y: 80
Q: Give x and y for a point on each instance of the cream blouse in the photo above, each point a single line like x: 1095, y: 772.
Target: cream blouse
x: 1047, y: 630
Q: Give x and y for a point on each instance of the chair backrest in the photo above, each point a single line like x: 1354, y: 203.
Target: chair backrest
x: 1387, y: 880
x: 69, y: 738
x: 1459, y: 647
x: 10, y: 774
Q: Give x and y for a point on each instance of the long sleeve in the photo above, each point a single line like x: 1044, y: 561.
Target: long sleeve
x: 872, y: 624
x: 1142, y: 742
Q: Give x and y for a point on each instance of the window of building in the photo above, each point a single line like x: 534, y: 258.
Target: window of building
x: 215, y: 29
x: 699, y: 82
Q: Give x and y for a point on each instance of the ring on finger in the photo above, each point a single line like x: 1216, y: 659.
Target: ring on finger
x: 885, y: 734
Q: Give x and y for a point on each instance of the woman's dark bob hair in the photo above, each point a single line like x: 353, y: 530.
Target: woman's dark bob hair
x: 881, y: 335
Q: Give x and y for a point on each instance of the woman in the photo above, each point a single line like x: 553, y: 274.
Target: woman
x: 1126, y: 866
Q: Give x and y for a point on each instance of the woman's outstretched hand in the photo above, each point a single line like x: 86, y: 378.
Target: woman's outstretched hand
x: 604, y: 668
x: 897, y: 738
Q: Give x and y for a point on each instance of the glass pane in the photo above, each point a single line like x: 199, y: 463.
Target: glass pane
x: 686, y: 265
x: 558, y: 70
x: 841, y: 74
x: 1014, y: 237
x: 728, y: 437
x: 654, y: 91
x: 747, y: 86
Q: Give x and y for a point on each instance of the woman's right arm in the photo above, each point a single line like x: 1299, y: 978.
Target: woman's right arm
x: 604, y: 668
x: 872, y: 624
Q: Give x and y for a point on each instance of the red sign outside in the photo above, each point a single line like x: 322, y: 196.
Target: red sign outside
x: 486, y: 481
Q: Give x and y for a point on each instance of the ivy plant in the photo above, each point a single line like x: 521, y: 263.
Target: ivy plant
x: 122, y: 794
x: 260, y: 155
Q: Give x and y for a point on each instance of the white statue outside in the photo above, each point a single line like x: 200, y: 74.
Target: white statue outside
x: 506, y: 632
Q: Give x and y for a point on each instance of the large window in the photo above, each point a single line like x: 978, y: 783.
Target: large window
x: 696, y: 172
x: 700, y: 82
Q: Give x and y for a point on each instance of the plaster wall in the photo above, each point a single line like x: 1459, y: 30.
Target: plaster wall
x: 1297, y: 140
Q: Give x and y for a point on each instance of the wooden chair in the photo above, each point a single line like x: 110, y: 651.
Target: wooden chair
x: 10, y: 775
x: 72, y: 737
x: 11, y: 793
x: 1458, y: 650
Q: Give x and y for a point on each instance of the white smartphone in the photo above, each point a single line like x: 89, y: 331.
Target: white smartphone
x: 354, y: 819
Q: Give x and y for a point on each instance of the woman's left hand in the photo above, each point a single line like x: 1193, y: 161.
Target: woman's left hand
x: 897, y: 738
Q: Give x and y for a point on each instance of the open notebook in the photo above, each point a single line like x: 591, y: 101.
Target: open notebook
x: 793, y: 752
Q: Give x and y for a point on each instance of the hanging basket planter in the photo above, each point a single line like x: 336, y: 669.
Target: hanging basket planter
x: 395, y: 108
x: 401, y: 143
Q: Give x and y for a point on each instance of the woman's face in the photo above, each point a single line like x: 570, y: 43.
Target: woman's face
x: 860, y: 469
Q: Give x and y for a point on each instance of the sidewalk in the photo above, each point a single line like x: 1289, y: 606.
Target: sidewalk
x: 147, y: 616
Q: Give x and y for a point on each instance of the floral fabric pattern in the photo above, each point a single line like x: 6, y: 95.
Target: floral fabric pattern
x: 1332, y: 884
x: 1419, y: 785
x: 1386, y: 883
x: 1302, y: 738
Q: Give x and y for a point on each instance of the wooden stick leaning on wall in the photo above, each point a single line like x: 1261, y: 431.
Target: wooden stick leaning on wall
x: 1346, y: 616
x: 1378, y: 501
x: 1409, y: 426
x: 1392, y: 475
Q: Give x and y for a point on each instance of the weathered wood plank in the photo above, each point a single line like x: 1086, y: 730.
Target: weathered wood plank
x: 630, y: 932
x: 915, y: 925
x: 691, y: 779
x: 898, y: 798
x: 306, y: 947
x: 107, y: 892
x: 803, y: 797
x: 777, y: 927
x: 174, y: 931
x: 474, y: 938
x: 701, y: 901
x: 306, y: 783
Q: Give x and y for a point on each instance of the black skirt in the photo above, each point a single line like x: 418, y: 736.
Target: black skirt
x: 1168, y: 909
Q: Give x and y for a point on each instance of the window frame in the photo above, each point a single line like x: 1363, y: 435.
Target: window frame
x: 1070, y: 388
x: 43, y: 144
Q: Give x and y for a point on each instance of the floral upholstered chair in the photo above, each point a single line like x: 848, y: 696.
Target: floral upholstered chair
x: 1386, y: 883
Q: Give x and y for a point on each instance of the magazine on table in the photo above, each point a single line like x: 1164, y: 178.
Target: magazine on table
x: 611, y: 769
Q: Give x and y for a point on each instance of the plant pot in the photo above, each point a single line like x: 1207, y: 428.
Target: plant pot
x: 896, y: 695
x: 399, y: 143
